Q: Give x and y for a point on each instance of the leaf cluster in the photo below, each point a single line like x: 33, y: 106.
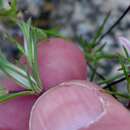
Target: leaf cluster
x: 95, y: 54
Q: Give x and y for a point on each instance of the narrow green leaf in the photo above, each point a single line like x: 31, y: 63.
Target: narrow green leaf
x: 3, y: 91
x: 106, y: 56
x: 25, y: 28
x: 100, y: 48
x: 97, y: 73
x: 16, y: 73
x: 13, y: 41
x: 10, y: 96
x: 83, y: 43
x: 126, y: 52
x: 30, y: 45
x: 126, y: 96
x: 126, y: 74
x: 94, y: 71
x: 114, y: 78
x: 52, y: 33
x: 36, y: 67
x: 100, y: 30
x: 39, y: 33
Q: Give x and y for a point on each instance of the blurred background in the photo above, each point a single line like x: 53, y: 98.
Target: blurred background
x: 72, y: 17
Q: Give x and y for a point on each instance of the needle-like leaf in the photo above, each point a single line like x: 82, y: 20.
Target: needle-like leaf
x: 31, y: 39
x: 100, y: 30
x: 3, y: 91
x: 13, y: 41
x: 125, y: 71
x: 10, y: 96
x: 16, y: 73
x: 126, y: 96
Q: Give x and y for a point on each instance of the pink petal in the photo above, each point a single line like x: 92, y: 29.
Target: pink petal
x: 124, y: 42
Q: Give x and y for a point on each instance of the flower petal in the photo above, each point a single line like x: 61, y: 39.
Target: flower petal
x: 124, y: 42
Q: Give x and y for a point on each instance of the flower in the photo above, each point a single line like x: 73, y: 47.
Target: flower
x: 124, y: 42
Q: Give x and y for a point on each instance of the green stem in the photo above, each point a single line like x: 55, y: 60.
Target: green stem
x: 115, y: 24
x: 126, y: 96
x: 114, y: 82
x: 98, y: 74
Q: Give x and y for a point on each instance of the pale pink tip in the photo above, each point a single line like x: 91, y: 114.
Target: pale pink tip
x: 124, y: 42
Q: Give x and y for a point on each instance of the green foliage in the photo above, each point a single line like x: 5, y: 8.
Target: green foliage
x: 31, y: 38
x: 93, y: 51
x: 100, y: 31
x: 3, y: 91
x: 9, y: 96
x: 13, y: 41
x: 30, y: 81
x: 1, y: 4
x: 95, y: 54
x: 10, y: 13
x: 119, y: 94
x: 16, y: 73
